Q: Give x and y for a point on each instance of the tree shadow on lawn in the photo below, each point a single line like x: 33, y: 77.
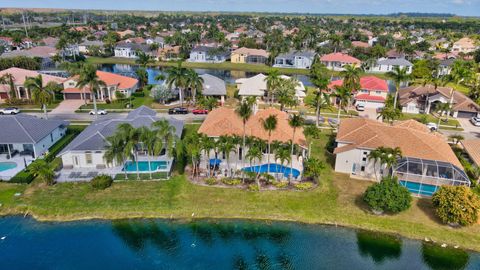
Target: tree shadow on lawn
x: 426, y: 206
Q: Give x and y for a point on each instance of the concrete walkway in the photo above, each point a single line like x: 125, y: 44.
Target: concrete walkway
x: 68, y: 106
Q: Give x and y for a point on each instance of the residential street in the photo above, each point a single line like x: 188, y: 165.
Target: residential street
x: 87, y: 117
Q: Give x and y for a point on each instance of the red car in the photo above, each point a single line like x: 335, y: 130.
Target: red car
x: 199, y: 111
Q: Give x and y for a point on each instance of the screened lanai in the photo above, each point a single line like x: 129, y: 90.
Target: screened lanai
x: 423, y: 177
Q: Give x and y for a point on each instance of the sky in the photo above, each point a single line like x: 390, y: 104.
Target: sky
x: 459, y: 7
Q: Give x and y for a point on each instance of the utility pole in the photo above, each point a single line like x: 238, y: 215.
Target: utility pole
x: 24, y: 25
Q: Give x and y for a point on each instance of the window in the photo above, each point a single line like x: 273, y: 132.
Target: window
x: 75, y: 160
x: 51, y: 137
x: 88, y: 157
x: 378, y: 92
x: 362, y: 169
x: 364, y: 156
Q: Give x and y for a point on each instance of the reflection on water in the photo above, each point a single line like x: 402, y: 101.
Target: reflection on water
x: 160, y: 244
x: 379, y: 247
x: 438, y: 258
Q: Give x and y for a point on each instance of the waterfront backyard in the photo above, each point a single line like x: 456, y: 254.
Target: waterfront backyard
x: 336, y: 201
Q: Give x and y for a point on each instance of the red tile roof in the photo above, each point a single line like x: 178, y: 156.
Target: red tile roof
x: 368, y: 97
x: 123, y: 82
x: 366, y: 83
x: 340, y: 57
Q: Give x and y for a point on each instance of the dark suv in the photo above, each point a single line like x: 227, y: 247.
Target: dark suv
x: 178, y: 110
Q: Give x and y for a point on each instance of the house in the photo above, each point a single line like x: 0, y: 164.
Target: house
x: 160, y: 41
x: 256, y: 86
x: 336, y: 61
x: 445, y: 67
x: 20, y: 75
x: 394, y: 54
x: 24, y: 138
x: 125, y: 33
x: 115, y: 83
x: 360, y: 44
x: 168, y: 53
x: 130, y: 50
x: 250, y: 56
x: 472, y: 148
x: 296, y: 59
x: 225, y: 121
x: 464, y: 45
x: 384, y: 65
x: 427, y: 160
x: 45, y: 53
x: 87, y: 44
x: 372, y: 93
x: 204, y: 54
x: 86, y: 151
x: 214, y: 87
x: 422, y: 99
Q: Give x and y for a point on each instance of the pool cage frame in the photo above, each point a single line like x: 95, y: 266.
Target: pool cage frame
x: 430, y: 172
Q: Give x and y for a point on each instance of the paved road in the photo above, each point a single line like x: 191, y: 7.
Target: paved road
x: 87, y: 117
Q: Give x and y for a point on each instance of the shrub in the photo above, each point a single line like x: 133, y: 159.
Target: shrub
x: 210, y: 181
x: 101, y: 182
x: 458, y: 205
x: 253, y: 187
x: 231, y: 181
x: 388, y: 195
x: 304, y: 186
x: 280, y: 184
x: 312, y: 131
x: 23, y: 177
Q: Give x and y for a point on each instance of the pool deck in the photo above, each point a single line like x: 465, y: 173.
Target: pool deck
x: 19, y: 160
x: 236, y: 164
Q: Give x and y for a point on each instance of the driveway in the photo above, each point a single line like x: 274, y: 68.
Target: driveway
x: 68, y: 106
x: 468, y: 128
x: 369, y: 113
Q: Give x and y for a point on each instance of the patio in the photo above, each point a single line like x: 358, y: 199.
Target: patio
x: 20, y: 162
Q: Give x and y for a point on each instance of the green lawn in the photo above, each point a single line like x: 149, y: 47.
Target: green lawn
x: 430, y: 118
x: 459, y: 87
x: 137, y: 100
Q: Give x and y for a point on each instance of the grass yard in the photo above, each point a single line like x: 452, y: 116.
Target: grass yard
x: 430, y: 118
x: 337, y: 200
x: 136, y: 100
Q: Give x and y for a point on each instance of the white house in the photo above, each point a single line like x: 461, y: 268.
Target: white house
x: 301, y: 60
x: 384, y: 65
x: 204, y: 54
x: 130, y: 50
x: 336, y: 61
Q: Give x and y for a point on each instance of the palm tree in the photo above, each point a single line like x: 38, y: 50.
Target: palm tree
x: 389, y: 114
x: 207, y: 144
x: 148, y: 141
x: 375, y: 155
x: 398, y: 75
x: 226, y: 146
x: 456, y: 138
x: 43, y: 170
x: 195, y: 83
x: 142, y: 76
x: 319, y: 77
x: 285, y: 93
x: 321, y: 101
x: 40, y: 93
x: 296, y: 121
x: 244, y: 111
x: 269, y: 124
x: 143, y: 59
x: 10, y: 80
x: 89, y: 77
x: 443, y: 108
x: 131, y: 137
x: 335, y: 41
x: 283, y: 154
x: 254, y: 153
x: 351, y: 77
x: 272, y: 80
x: 178, y: 77
x: 166, y: 137
x: 114, y: 152
x: 343, y: 96
x: 389, y: 156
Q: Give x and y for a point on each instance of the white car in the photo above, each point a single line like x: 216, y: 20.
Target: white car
x: 432, y: 126
x: 9, y: 110
x: 360, y: 107
x: 99, y: 112
x: 475, y: 121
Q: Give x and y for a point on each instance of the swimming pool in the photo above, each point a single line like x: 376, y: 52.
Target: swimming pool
x: 143, y: 166
x: 419, y: 189
x: 7, y: 166
x: 273, y: 168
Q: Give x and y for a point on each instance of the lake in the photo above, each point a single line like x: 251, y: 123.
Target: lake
x: 161, y: 244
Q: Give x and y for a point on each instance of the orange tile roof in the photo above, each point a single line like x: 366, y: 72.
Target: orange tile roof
x: 224, y: 121
x: 20, y: 75
x: 248, y: 51
x: 360, y: 44
x: 472, y: 147
x: 413, y: 138
x: 367, y: 83
x: 340, y: 57
x: 123, y: 82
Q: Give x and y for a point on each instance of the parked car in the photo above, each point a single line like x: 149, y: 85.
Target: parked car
x: 9, y: 110
x: 379, y: 109
x: 99, y: 112
x: 178, y: 110
x: 475, y: 121
x: 360, y: 107
x: 200, y: 111
x: 432, y: 126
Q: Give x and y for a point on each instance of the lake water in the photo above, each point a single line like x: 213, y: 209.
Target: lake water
x: 160, y: 244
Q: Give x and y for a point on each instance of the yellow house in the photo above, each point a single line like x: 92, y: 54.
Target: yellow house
x: 250, y: 56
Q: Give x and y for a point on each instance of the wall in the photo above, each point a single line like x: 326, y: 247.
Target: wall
x: 44, y: 144
x: 97, y: 159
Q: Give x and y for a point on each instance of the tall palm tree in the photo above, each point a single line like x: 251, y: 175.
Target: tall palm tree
x: 319, y: 77
x: 226, y: 146
x: 10, y: 80
x: 89, y: 77
x: 254, y: 153
x: 269, y: 124
x: 398, y: 75
x: 389, y: 156
x: 283, y: 154
x: 148, y: 141
x: 285, y: 93
x: 143, y: 59
x: 40, y: 93
x: 131, y: 137
x: 343, y: 96
x: 351, y: 77
x: 375, y: 155
x: 142, y: 76
x: 207, y: 144
x: 296, y: 121
x: 273, y: 81
x: 178, y: 77
x: 443, y: 108
x: 244, y: 111
x: 195, y: 83
x: 321, y: 101
x: 43, y: 170
x: 166, y: 137
x: 114, y: 152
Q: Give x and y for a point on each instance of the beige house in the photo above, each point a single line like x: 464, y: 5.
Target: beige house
x: 464, y: 45
x: 250, y: 56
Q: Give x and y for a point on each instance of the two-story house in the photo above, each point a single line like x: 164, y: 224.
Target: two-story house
x: 372, y: 93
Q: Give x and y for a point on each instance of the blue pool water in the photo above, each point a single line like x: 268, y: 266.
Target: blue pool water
x: 273, y: 168
x: 7, y: 166
x: 417, y: 188
x: 143, y: 166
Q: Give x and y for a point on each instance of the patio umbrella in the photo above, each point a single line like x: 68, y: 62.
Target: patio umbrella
x: 215, y: 162
x: 25, y: 162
